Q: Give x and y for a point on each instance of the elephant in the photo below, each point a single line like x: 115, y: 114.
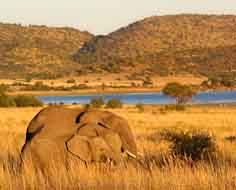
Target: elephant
x: 63, y: 134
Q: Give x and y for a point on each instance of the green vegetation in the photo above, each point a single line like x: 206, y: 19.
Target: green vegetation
x: 27, y: 101
x: 96, y: 102
x: 175, y: 107
x: 39, y: 51
x: 147, y: 82
x: 140, y: 107
x: 71, y: 81
x: 182, y: 93
x: 6, y: 101
x: 18, y: 101
x: 185, y: 44
x: 39, y: 86
x: 114, y: 103
x: 100, y: 103
x: 191, y: 145
x: 3, y: 88
x: 222, y: 80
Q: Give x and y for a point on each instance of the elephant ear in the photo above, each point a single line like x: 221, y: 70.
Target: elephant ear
x: 79, y: 146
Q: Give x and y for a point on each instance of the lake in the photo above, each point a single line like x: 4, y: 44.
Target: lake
x: 145, y: 98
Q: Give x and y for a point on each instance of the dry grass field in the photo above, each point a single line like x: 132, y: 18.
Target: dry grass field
x: 98, y: 83
x: 159, y: 170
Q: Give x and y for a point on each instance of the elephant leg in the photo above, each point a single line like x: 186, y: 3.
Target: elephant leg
x: 45, y: 154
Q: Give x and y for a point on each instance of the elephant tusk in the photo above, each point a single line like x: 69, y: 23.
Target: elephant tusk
x: 131, y: 154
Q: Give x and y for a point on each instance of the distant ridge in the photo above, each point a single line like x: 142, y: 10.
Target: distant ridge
x: 200, y: 45
x: 38, y: 51
x: 166, y: 45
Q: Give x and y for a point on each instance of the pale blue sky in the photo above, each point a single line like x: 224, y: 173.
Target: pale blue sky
x: 103, y: 16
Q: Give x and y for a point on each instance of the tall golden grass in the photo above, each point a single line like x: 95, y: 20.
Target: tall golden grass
x: 160, y: 170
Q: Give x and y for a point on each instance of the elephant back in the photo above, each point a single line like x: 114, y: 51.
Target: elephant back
x: 53, y: 122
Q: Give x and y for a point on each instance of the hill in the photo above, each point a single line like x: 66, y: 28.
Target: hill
x: 38, y: 51
x: 200, y: 45
x: 164, y: 46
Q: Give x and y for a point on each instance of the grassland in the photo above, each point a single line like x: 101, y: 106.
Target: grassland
x: 95, y: 84
x: 160, y: 170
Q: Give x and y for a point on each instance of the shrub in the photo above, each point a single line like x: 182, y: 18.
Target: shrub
x: 3, y: 88
x: 191, y: 145
x: 27, y: 101
x: 140, y: 107
x: 38, y: 86
x: 70, y: 81
x: 147, y: 82
x: 87, y: 106
x: 178, y: 107
x: 114, y: 103
x: 228, y: 81
x: 231, y: 138
x: 182, y: 93
x: 97, y: 102
x: 28, y: 79
x: 6, y: 101
x: 222, y: 80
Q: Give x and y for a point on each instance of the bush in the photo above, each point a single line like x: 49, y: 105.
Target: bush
x: 38, y: 86
x: 27, y: 101
x: 6, y: 101
x: 178, y: 107
x: 191, y: 145
x: 222, y: 80
x: 114, y: 103
x: 97, y: 102
x: 86, y: 106
x: 147, y: 82
x: 3, y: 88
x: 28, y: 79
x: 70, y: 81
x: 231, y: 138
x: 140, y: 107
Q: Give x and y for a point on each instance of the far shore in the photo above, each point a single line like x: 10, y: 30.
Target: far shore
x: 86, y: 91
x: 100, y: 91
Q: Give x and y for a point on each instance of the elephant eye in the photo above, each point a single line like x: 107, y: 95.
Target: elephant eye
x: 78, y: 118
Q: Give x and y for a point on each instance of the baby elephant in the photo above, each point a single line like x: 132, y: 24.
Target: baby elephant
x: 63, y: 135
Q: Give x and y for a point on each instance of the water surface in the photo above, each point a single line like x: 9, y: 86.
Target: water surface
x: 145, y: 98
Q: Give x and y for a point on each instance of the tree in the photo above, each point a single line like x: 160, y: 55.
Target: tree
x: 182, y: 93
x: 97, y: 102
x: 114, y: 103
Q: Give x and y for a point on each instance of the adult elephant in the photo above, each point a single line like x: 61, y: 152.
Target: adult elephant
x: 61, y: 134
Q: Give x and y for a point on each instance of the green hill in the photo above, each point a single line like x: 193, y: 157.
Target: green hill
x: 38, y: 51
x: 166, y: 45
x: 156, y: 46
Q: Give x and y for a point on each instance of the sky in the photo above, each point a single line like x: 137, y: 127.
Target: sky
x: 103, y: 16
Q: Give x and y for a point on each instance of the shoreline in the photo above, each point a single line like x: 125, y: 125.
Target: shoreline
x: 87, y: 92
x: 93, y: 91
